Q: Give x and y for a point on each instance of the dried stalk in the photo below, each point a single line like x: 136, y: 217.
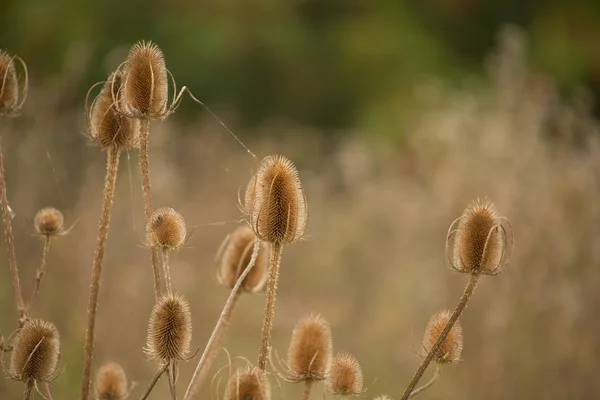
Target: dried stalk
x: 40, y: 272
x: 307, y: 389
x: 154, y: 381
x: 426, y: 386
x: 267, y: 327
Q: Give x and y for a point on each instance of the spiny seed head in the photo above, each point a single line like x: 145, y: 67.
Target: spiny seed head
x: 111, y: 382
x: 248, y: 384
x: 345, y: 377
x: 279, y: 211
x: 451, y: 348
x: 9, y: 85
x: 309, y: 354
x: 49, y: 222
x: 165, y: 229
x: 36, y: 350
x: 146, y: 89
x: 383, y: 397
x: 480, y: 241
x: 107, y: 127
x: 234, y: 257
x: 169, y: 329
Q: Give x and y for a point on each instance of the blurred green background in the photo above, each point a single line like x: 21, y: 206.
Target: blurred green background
x: 397, y: 114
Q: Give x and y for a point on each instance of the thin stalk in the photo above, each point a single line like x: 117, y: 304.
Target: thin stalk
x: 28, y: 390
x: 455, y: 314
x: 107, y: 202
x: 267, y: 327
x: 307, y: 389
x: 154, y: 381
x: 10, y: 243
x: 226, y: 311
x: 40, y: 272
x: 167, y: 270
x: 436, y: 375
x: 171, y: 378
x: 145, y: 169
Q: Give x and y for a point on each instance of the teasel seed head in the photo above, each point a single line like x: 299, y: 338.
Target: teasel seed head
x: 248, y: 384
x: 169, y: 329
x: 383, y: 397
x: 279, y: 210
x: 111, y: 382
x: 11, y: 100
x: 166, y: 229
x: 480, y: 240
x: 451, y: 348
x: 49, y: 222
x: 36, y: 351
x: 345, y: 376
x: 145, y: 92
x: 309, y: 354
x: 106, y: 126
x: 234, y: 257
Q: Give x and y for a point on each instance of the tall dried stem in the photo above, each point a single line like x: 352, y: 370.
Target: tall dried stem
x: 429, y: 384
x: 455, y: 314
x: 267, y: 327
x: 40, y: 272
x: 167, y: 270
x: 107, y: 202
x: 28, y: 390
x: 307, y: 389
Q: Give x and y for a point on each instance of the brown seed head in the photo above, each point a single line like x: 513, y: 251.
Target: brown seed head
x: 146, y: 89
x: 234, y: 257
x: 345, y: 377
x: 106, y: 126
x: 309, y: 354
x: 169, y: 329
x: 36, y: 350
x: 279, y: 212
x: 248, y: 384
x: 451, y: 348
x: 480, y: 241
x: 49, y: 222
x: 111, y: 382
x: 166, y: 229
x: 9, y: 85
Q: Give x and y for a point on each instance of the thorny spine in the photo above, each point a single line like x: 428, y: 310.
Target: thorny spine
x: 267, y: 327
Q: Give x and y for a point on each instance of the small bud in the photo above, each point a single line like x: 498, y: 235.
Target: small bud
x: 345, y: 377
x: 279, y: 212
x: 10, y: 104
x: 166, y: 229
x: 451, y: 348
x: 111, y: 382
x: 309, y: 354
x: 49, y: 222
x: 234, y: 257
x: 248, y: 384
x: 169, y: 329
x: 36, y: 350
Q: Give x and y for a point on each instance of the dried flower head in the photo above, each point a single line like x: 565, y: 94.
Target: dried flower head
x: 166, y: 229
x: 111, y: 382
x: 169, y: 329
x: 451, y: 347
x: 248, y: 384
x: 36, y: 351
x: 145, y: 92
x: 49, y: 222
x: 234, y: 256
x: 10, y: 104
x: 279, y: 211
x: 480, y: 241
x: 106, y: 126
x: 309, y: 354
x: 345, y: 377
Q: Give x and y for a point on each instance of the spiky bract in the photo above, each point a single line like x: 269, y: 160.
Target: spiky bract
x: 9, y: 85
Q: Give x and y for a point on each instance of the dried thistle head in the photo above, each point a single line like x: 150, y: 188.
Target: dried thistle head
x: 309, y: 354
x: 481, y: 240
x: 169, y: 329
x: 451, y: 347
x: 248, y: 384
x: 345, y: 376
x: 145, y: 92
x: 11, y: 100
x: 234, y: 257
x: 279, y: 212
x: 166, y: 229
x: 36, y: 351
x: 107, y: 127
x: 111, y: 382
x: 49, y: 222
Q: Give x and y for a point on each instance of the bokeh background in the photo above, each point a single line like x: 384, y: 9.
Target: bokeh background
x: 397, y: 114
